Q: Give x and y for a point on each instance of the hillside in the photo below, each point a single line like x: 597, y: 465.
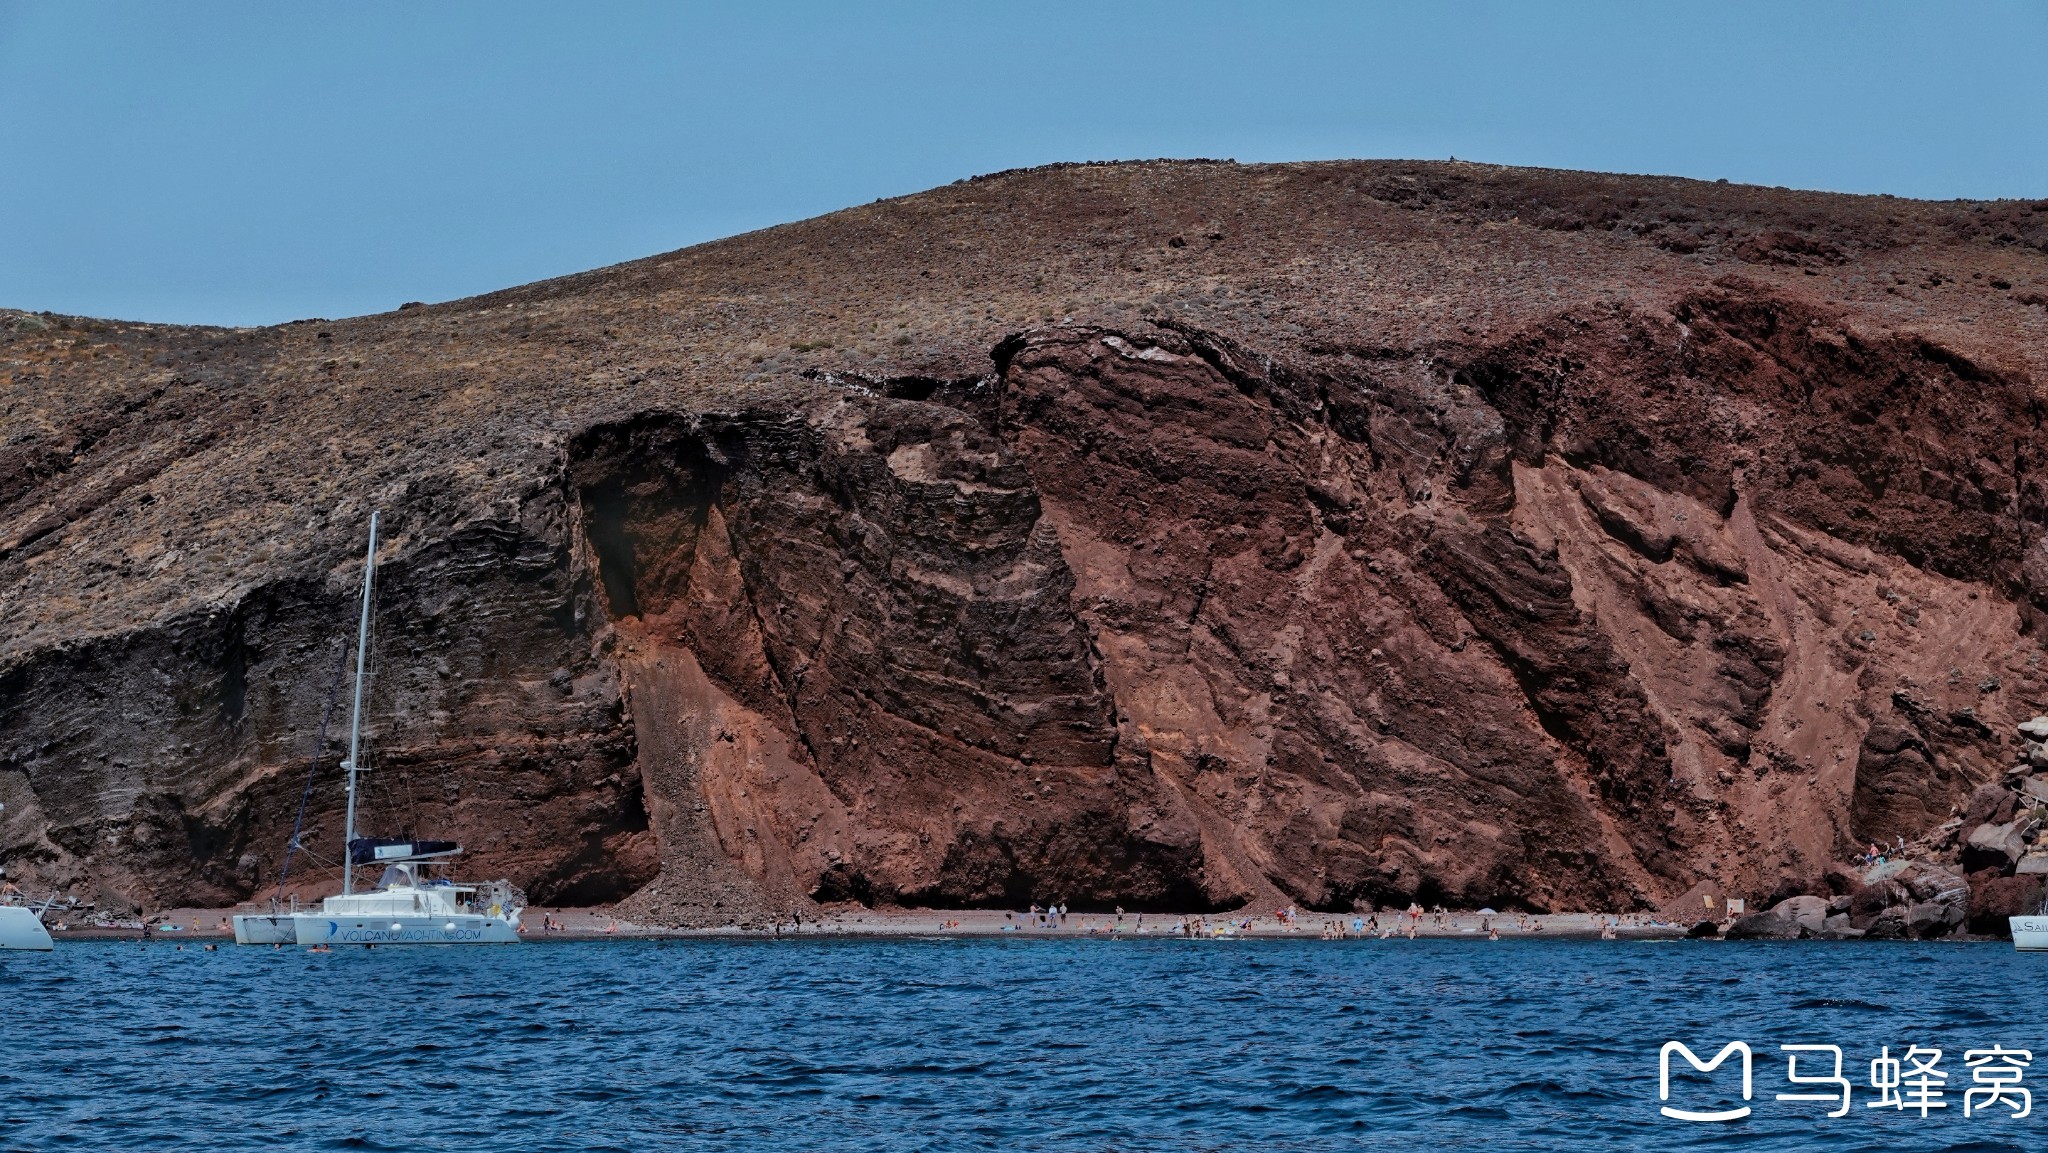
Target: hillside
x: 1169, y: 535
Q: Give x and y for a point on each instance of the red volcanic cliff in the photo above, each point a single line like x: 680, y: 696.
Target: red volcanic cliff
x: 1167, y: 535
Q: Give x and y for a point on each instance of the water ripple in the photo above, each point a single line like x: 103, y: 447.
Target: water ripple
x: 964, y: 1044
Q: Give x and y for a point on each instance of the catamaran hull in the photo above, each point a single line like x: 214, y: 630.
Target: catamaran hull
x: 20, y: 928
x: 462, y: 929
x: 2030, y: 934
x: 265, y: 929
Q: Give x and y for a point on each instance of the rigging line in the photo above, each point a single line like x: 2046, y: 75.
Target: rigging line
x: 375, y: 795
x: 371, y: 790
x: 412, y: 798
x: 313, y: 766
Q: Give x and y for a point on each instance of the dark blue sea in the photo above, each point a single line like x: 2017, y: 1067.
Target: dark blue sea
x: 965, y: 1044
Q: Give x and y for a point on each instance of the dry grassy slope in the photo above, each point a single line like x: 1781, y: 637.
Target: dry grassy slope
x: 1570, y: 497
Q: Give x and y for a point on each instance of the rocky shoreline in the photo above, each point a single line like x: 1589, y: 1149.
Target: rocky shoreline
x: 212, y: 927
x: 1964, y: 877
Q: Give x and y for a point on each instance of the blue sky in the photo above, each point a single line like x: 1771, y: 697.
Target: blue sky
x: 253, y: 163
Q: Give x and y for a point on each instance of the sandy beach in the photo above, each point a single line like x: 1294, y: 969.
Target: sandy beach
x: 548, y: 924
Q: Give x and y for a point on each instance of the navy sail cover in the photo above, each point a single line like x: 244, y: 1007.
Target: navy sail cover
x: 379, y: 850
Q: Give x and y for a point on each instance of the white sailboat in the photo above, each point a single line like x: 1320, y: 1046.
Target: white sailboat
x: 408, y: 907
x: 22, y: 927
x: 409, y: 904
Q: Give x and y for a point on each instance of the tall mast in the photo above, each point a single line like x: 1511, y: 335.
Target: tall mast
x: 355, y: 720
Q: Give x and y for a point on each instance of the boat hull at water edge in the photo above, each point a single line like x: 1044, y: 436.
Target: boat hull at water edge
x: 2030, y: 934
x: 403, y: 929
x: 265, y: 929
x: 21, y: 928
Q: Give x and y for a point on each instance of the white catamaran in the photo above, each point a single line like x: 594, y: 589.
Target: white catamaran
x: 408, y: 906
x: 21, y: 927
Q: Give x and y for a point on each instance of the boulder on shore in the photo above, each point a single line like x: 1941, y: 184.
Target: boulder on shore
x: 1994, y: 898
x: 1993, y: 847
x: 1873, y: 900
x: 1789, y: 886
x: 1889, y: 925
x: 1842, y: 880
x: 1924, y: 881
x: 1763, y: 927
x: 1932, y: 919
x: 1809, y: 913
x: 1988, y: 805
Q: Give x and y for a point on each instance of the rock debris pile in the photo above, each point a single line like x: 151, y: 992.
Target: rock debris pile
x: 1987, y: 863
